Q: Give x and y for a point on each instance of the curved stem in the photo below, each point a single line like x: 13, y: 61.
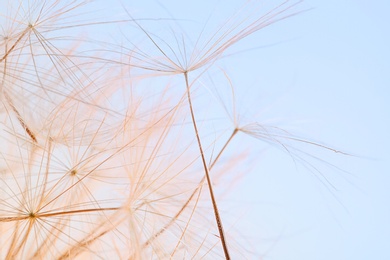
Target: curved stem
x: 162, y: 230
x: 207, y: 174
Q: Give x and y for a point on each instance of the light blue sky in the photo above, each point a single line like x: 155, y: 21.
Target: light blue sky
x: 335, y: 63
x: 325, y: 72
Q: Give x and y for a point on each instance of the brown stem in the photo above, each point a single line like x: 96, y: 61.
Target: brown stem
x: 60, y: 213
x: 21, y: 121
x: 14, y: 45
x: 207, y: 174
x: 162, y: 230
x: 15, y: 251
x: 7, y: 97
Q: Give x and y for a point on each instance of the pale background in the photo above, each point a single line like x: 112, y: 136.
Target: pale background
x: 325, y: 72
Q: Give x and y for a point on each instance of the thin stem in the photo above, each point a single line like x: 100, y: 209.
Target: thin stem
x: 14, y: 45
x: 20, y: 118
x: 235, y: 131
x: 60, y: 213
x: 207, y: 174
x: 15, y: 251
x: 162, y: 230
x: 7, y: 97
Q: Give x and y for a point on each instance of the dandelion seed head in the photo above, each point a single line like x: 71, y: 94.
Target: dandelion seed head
x: 101, y: 156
